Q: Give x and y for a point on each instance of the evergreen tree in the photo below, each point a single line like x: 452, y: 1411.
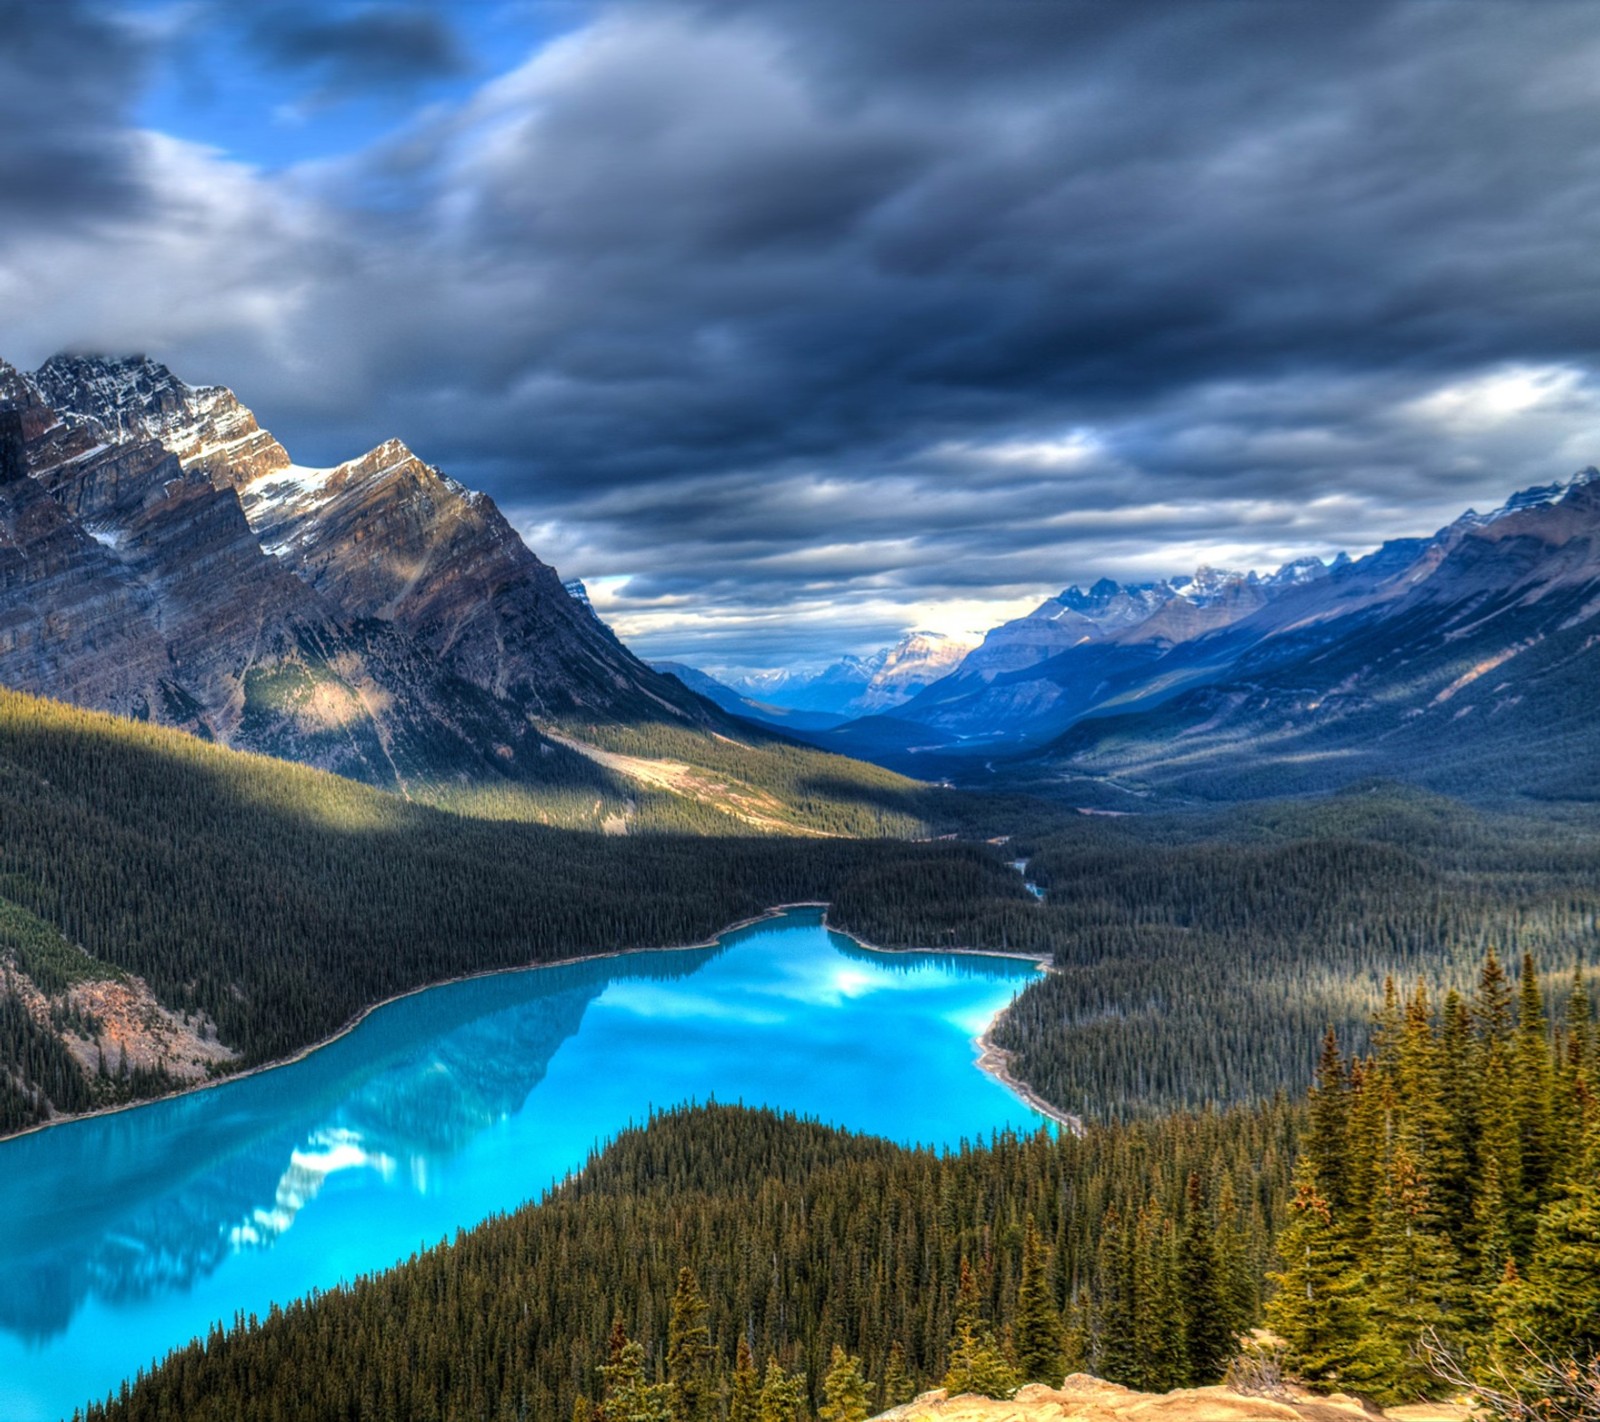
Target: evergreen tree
x: 628, y: 1396
x: 1580, y: 1053
x: 689, y: 1382
x: 1320, y: 1307
x: 1491, y: 1006
x: 1500, y: 1220
x: 783, y: 1395
x: 1210, y: 1325
x: 844, y: 1390
x: 1531, y: 1069
x: 1458, y: 1098
x: 1037, y: 1326
x: 1558, y: 1305
x: 1415, y: 1270
x: 898, y: 1385
x: 1160, y: 1325
x: 976, y: 1362
x: 1327, y: 1139
x: 744, y: 1398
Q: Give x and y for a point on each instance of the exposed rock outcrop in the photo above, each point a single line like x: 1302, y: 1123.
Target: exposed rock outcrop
x: 1082, y: 1398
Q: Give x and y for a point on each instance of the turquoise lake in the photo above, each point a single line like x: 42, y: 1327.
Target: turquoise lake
x: 125, y: 1235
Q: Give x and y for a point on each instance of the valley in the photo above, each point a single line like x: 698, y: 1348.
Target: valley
x: 452, y: 1106
x: 799, y: 712
x: 283, y: 744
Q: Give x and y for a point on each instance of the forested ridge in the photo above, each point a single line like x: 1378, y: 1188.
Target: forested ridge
x: 276, y: 902
x: 1198, y: 957
x: 800, y: 1237
x: 1433, y: 1205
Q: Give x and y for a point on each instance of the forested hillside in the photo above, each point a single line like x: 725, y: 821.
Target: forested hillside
x: 1446, y: 1210
x: 265, y: 903
x: 1199, y: 957
x: 800, y: 1238
x: 1443, y: 1215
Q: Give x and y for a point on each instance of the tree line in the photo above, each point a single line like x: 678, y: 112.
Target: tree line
x: 1431, y: 1205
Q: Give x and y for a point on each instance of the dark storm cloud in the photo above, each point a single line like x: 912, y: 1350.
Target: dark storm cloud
x: 818, y: 308
x: 798, y: 234
x: 375, y: 47
x: 67, y: 78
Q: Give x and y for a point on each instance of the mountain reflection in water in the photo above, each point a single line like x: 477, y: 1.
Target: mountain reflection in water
x: 143, y: 1201
x: 125, y: 1235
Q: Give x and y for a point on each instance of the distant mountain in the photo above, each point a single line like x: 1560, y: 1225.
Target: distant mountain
x: 1469, y: 661
x: 1033, y: 676
x: 862, y: 686
x: 746, y: 707
x: 162, y: 557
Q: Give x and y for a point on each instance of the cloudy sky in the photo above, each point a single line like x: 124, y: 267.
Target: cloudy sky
x: 791, y: 324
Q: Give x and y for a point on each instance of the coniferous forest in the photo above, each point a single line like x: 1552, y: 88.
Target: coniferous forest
x: 1426, y: 1212
x: 1429, y: 1211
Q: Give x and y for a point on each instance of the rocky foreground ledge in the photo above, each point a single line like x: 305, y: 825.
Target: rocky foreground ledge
x: 1082, y: 1398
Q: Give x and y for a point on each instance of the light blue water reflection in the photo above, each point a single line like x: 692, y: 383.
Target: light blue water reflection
x: 124, y: 1236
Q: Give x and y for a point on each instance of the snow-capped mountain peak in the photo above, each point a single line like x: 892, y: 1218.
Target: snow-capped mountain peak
x: 1538, y: 496
x: 133, y: 397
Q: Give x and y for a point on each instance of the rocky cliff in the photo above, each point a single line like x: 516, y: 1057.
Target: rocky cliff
x: 161, y: 557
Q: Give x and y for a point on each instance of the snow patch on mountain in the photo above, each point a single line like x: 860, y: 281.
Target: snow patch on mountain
x: 1539, y: 496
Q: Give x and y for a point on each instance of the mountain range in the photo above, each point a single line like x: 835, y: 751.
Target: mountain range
x: 850, y: 687
x: 1466, y: 660
x: 161, y: 556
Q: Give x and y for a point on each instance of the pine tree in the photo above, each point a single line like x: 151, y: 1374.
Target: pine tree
x: 1210, y: 1328
x: 1077, y: 1334
x: 1574, y: 1072
x: 844, y: 1390
x: 783, y: 1395
x: 1499, y: 1161
x: 1320, y: 1307
x: 1580, y: 1027
x: 1457, y: 1082
x: 1415, y: 1270
x: 627, y: 1396
x: 1037, y: 1329
x: 1491, y: 1005
x: 976, y: 1362
x: 898, y: 1385
x: 1114, y: 1354
x: 1328, y: 1137
x: 1532, y: 1087
x: 1559, y: 1301
x: 689, y: 1383
x: 744, y: 1398
x: 1161, y: 1325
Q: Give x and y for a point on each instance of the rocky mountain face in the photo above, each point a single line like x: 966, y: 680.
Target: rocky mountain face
x: 162, y: 557
x: 1469, y: 661
x: 136, y: 399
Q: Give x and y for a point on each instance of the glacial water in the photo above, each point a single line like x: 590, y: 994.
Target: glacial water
x: 125, y: 1235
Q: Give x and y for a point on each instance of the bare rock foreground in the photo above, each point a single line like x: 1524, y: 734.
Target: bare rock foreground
x: 1082, y: 1398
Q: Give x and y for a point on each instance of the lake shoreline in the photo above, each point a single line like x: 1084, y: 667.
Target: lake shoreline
x: 996, y: 1062
x: 984, y: 1048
